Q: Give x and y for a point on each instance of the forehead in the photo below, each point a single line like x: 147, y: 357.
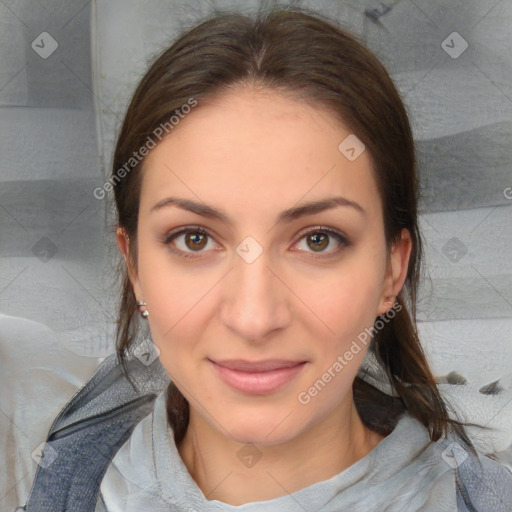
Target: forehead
x: 259, y: 150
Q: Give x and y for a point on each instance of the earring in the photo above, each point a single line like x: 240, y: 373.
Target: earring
x: 144, y: 313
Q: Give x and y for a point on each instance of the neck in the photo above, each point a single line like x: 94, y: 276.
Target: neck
x: 268, y: 472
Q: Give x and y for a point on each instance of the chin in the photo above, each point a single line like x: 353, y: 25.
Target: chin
x: 243, y: 436
x: 262, y: 429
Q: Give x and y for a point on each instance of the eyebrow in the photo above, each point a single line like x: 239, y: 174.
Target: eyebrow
x: 285, y: 216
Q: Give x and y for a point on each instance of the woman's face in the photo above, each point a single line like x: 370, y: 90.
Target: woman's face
x: 269, y: 278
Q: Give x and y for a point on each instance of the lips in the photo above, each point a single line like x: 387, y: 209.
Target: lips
x: 261, y: 366
x: 257, y: 378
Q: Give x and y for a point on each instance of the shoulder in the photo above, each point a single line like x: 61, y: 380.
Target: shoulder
x: 38, y: 374
x: 483, y: 484
x: 453, y: 475
x: 130, y: 481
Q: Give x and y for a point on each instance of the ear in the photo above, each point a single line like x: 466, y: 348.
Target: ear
x: 123, y: 243
x: 396, y: 272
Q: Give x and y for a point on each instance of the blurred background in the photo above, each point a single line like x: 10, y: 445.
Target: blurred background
x: 67, y: 70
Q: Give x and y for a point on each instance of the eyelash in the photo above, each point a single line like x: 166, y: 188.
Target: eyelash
x: 343, y: 241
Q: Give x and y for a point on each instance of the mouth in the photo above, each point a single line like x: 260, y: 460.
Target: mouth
x: 257, y: 378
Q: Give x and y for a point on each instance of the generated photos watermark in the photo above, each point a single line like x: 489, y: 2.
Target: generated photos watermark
x: 363, y: 338
x: 158, y: 133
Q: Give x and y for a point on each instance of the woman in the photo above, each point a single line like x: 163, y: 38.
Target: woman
x: 266, y: 193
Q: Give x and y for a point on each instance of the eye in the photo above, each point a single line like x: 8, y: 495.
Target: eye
x: 186, y: 241
x: 319, y: 238
x: 193, y: 240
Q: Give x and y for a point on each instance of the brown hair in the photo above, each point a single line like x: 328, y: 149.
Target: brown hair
x: 295, y: 51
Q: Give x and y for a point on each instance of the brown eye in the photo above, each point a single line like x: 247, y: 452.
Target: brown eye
x: 319, y: 241
x: 185, y: 242
x: 195, y: 240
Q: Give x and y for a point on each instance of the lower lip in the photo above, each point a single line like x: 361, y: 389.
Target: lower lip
x: 258, y: 383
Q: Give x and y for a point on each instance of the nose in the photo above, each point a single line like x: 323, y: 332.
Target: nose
x: 256, y: 300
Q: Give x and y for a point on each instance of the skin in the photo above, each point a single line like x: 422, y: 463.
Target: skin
x: 252, y: 154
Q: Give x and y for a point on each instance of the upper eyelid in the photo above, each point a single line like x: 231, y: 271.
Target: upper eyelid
x: 183, y: 230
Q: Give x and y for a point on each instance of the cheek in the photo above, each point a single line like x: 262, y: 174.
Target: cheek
x: 172, y: 297
x: 170, y: 289
x: 345, y: 300
x: 348, y: 308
